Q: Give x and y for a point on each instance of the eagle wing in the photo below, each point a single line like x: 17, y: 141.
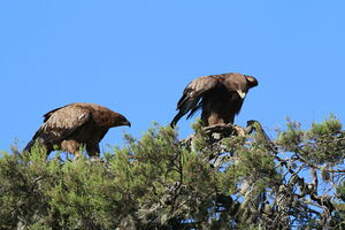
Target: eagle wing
x: 62, y: 122
x: 191, y: 98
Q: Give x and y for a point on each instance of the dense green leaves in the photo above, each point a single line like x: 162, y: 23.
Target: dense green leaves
x: 220, y: 179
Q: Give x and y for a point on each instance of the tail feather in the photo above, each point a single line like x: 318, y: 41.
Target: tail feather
x: 37, y: 141
x: 29, y: 146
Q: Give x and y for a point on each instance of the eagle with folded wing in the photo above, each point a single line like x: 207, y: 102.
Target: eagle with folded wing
x: 220, y: 97
x: 73, y: 126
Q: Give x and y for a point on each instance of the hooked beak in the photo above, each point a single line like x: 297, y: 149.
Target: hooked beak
x: 127, y: 123
x: 241, y: 93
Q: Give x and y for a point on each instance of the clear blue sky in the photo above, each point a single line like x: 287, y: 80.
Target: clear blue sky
x: 136, y: 57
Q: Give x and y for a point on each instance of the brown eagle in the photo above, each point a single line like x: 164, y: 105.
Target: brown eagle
x: 70, y: 127
x: 220, y: 97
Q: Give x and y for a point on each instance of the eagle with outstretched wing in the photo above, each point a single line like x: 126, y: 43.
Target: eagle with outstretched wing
x: 73, y: 126
x: 220, y: 97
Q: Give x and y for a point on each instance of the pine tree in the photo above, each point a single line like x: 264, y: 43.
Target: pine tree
x: 221, y: 177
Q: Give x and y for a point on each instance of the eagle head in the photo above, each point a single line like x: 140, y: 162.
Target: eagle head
x: 122, y: 121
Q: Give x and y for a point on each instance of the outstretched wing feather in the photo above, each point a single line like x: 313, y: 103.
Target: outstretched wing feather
x: 194, y: 91
x: 190, y: 100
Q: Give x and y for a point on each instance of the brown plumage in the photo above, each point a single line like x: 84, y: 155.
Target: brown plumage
x: 220, y: 97
x: 73, y: 126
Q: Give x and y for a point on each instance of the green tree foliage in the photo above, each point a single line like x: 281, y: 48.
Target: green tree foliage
x: 223, y: 177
